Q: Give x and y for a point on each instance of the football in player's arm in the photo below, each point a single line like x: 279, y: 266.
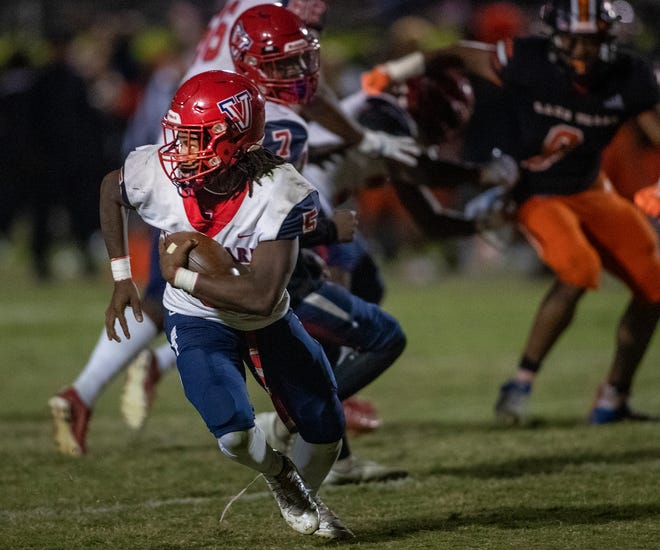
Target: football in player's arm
x: 213, y: 176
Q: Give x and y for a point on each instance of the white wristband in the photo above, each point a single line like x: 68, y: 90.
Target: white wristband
x: 185, y: 279
x: 406, y: 67
x: 121, y: 268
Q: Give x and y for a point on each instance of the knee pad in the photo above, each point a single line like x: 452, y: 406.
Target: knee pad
x: 324, y: 424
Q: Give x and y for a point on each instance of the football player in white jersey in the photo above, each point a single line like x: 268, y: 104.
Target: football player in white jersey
x: 212, y: 175
x: 287, y: 76
x: 75, y: 402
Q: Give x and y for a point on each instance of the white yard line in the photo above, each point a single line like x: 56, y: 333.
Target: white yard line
x: 43, y: 512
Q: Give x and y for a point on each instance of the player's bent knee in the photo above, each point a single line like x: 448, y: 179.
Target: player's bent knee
x: 582, y: 272
x: 324, y: 424
x: 390, y: 335
x: 222, y: 411
x: 394, y: 346
x: 650, y: 295
x: 399, y: 339
x: 646, y: 284
x: 582, y: 280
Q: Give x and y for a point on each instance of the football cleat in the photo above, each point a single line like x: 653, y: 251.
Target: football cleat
x: 361, y: 416
x: 268, y: 423
x: 610, y: 406
x: 330, y: 526
x: 70, y: 418
x: 142, y: 376
x: 602, y: 415
x: 294, y: 499
x: 512, y: 403
x: 354, y: 470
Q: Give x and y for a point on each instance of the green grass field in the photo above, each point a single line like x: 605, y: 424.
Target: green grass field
x: 555, y: 484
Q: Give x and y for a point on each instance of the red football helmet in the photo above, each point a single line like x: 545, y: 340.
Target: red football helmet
x: 214, y: 118
x: 441, y: 103
x: 272, y: 46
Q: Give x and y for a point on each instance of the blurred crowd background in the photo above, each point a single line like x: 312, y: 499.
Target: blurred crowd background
x: 73, y: 74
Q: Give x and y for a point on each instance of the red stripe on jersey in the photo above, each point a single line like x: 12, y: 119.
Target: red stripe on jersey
x: 211, y: 223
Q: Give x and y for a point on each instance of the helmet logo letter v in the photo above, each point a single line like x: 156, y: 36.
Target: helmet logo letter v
x: 238, y: 109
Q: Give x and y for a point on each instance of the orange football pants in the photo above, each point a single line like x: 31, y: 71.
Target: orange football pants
x: 579, y: 235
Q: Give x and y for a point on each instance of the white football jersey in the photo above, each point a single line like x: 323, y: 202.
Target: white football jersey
x: 283, y: 205
x: 213, y: 50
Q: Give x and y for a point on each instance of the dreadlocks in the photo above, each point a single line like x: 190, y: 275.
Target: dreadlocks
x: 249, y: 167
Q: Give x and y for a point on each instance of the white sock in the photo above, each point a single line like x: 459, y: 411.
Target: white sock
x: 609, y: 397
x: 314, y: 460
x: 250, y: 449
x: 165, y: 358
x: 109, y: 357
